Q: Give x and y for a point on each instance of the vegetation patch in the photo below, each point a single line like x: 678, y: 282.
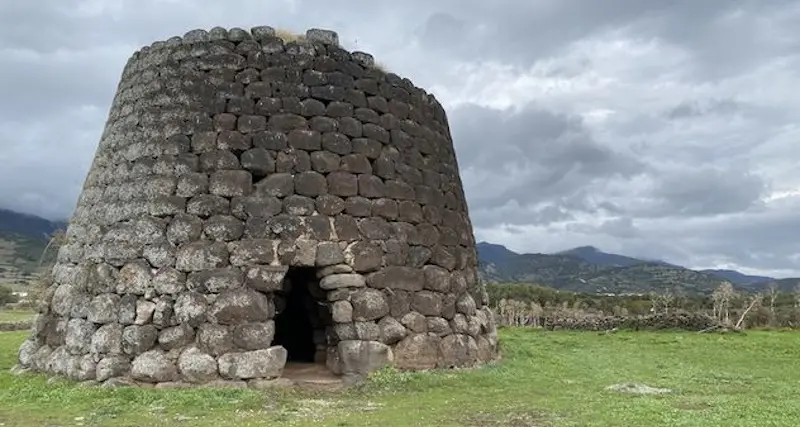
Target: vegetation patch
x: 544, y: 379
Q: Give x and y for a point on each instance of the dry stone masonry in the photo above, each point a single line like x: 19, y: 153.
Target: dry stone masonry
x: 255, y: 202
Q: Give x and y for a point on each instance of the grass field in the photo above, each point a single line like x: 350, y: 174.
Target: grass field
x: 15, y: 316
x: 545, y: 379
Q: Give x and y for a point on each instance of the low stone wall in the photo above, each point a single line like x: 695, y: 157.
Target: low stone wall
x: 16, y: 326
x: 662, y: 321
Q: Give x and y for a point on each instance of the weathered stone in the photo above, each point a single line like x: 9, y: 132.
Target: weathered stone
x: 336, y: 281
x: 79, y: 335
x: 342, y: 184
x: 402, y: 278
x: 363, y: 256
x: 392, y: 331
x: 363, y: 357
x: 254, y: 336
x: 439, y: 326
x: 252, y: 251
x: 458, y: 351
x: 153, y: 367
x: 267, y: 363
x: 176, y: 337
x: 310, y: 184
x: 346, y: 228
x: 415, y: 322
x: 196, y: 366
x: 358, y: 206
x: 417, y: 352
x: 466, y: 305
x: 460, y: 324
x: 190, y: 308
x: 277, y: 185
x: 436, y: 278
x: 127, y: 309
x: 428, y: 303
x: 144, y: 312
x: 216, y: 280
x: 104, y: 308
x: 202, y: 255
x: 138, y: 339
x: 214, y: 339
x: 223, y: 227
x: 237, y: 306
x: 206, y: 205
x: 334, y: 269
x: 169, y: 281
x: 342, y: 312
x: 328, y: 253
x: 111, y: 367
x: 134, y: 278
x: 265, y: 278
x: 369, y: 304
x: 295, y: 205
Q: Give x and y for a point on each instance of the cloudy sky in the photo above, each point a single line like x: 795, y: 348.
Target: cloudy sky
x: 666, y: 129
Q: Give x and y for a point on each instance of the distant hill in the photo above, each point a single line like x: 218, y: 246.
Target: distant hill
x: 23, y: 238
x: 784, y: 285
x: 589, y: 269
x: 596, y: 256
x: 25, y: 225
x: 736, y: 277
x: 490, y: 252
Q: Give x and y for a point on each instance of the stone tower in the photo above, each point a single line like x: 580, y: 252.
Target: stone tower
x: 255, y: 201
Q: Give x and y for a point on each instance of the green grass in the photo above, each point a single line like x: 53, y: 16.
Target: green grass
x: 15, y: 316
x: 545, y: 379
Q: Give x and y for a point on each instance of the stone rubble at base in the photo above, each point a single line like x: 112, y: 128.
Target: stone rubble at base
x: 229, y: 156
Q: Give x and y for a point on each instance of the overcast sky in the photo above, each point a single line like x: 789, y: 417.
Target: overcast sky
x: 665, y: 129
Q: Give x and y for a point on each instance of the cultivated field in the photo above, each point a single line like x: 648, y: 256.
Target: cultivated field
x: 545, y: 379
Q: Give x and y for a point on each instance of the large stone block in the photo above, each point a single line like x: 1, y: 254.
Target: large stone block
x: 267, y: 363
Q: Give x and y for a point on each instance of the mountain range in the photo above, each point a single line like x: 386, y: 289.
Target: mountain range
x: 589, y: 269
x: 23, y: 238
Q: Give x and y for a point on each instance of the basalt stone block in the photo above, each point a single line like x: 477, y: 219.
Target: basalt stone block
x: 255, y: 168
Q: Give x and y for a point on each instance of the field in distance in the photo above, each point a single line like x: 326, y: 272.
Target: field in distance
x: 545, y: 379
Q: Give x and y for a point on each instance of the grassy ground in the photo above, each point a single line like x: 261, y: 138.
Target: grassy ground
x: 15, y: 316
x: 546, y: 379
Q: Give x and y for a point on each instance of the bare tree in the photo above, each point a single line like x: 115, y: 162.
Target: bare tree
x: 661, y: 301
x: 772, y: 295
x: 722, y: 297
x: 755, y: 300
x: 797, y: 295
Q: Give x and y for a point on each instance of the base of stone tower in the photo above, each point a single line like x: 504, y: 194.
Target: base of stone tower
x: 347, y: 363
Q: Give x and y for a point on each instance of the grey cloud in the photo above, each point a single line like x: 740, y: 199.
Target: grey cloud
x: 695, y: 108
x: 708, y: 191
x: 536, y: 154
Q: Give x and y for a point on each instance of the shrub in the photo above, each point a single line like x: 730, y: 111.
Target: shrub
x: 7, y: 296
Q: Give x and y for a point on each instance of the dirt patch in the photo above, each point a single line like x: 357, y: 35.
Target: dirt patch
x: 512, y: 419
x: 317, y: 410
x: 642, y: 389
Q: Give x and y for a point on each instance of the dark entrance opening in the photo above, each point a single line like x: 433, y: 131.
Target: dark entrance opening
x: 298, y: 315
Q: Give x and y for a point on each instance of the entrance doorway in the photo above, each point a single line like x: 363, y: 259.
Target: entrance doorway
x: 298, y: 318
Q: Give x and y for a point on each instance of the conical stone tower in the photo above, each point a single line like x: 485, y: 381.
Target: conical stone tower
x: 256, y: 201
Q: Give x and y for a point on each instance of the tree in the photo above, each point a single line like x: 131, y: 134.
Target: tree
x: 772, y: 295
x: 797, y: 295
x: 755, y: 301
x: 7, y: 296
x: 722, y: 297
x: 662, y: 301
